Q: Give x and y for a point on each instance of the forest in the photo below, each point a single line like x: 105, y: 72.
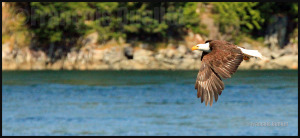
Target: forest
x: 63, y: 23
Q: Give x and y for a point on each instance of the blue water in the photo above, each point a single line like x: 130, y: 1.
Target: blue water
x: 146, y: 103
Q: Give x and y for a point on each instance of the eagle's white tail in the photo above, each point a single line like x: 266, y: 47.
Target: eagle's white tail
x: 253, y: 53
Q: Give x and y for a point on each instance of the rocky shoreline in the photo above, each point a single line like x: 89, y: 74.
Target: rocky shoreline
x: 138, y: 58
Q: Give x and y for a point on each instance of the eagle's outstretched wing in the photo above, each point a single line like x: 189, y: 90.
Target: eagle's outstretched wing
x: 216, y: 64
x: 208, y: 84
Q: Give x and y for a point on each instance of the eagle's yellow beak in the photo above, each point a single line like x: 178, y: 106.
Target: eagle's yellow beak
x: 194, y: 48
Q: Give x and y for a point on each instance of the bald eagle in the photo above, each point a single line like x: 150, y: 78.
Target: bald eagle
x: 220, y: 59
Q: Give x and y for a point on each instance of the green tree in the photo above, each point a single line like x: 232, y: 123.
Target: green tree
x: 63, y: 23
x: 235, y: 18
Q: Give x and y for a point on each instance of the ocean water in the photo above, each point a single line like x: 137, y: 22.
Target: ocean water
x: 146, y: 103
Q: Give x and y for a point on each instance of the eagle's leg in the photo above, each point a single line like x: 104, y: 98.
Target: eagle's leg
x: 246, y: 57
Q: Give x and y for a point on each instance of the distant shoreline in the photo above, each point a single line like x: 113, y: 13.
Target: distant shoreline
x: 128, y: 58
x: 150, y: 70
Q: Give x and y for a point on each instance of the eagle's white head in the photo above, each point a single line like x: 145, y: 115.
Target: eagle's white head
x: 203, y: 47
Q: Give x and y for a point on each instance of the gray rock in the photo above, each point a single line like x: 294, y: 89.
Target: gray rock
x: 180, y: 52
x: 288, y: 61
x: 113, y: 55
x: 275, y: 55
x: 20, y: 58
x: 187, y: 64
x: 72, y: 57
x: 38, y: 65
x: 265, y: 52
x: 6, y: 50
x: 272, y: 65
x: 144, y: 46
x: 98, y: 55
x: 143, y: 56
x: 90, y: 39
x: 159, y: 56
x: 128, y: 52
x: 170, y: 53
x: 247, y: 46
x: 182, y: 49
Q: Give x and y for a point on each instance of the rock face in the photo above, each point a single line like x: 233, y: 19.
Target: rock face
x: 138, y: 58
x: 276, y: 31
x: 288, y: 61
x: 90, y: 39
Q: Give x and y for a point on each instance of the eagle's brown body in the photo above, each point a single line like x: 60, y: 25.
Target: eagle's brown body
x: 221, y: 62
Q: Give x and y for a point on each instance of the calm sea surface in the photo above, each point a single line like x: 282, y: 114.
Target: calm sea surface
x: 146, y: 103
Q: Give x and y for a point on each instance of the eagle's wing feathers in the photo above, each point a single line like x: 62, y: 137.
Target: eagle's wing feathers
x: 225, y: 62
x: 208, y: 84
x: 216, y: 65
